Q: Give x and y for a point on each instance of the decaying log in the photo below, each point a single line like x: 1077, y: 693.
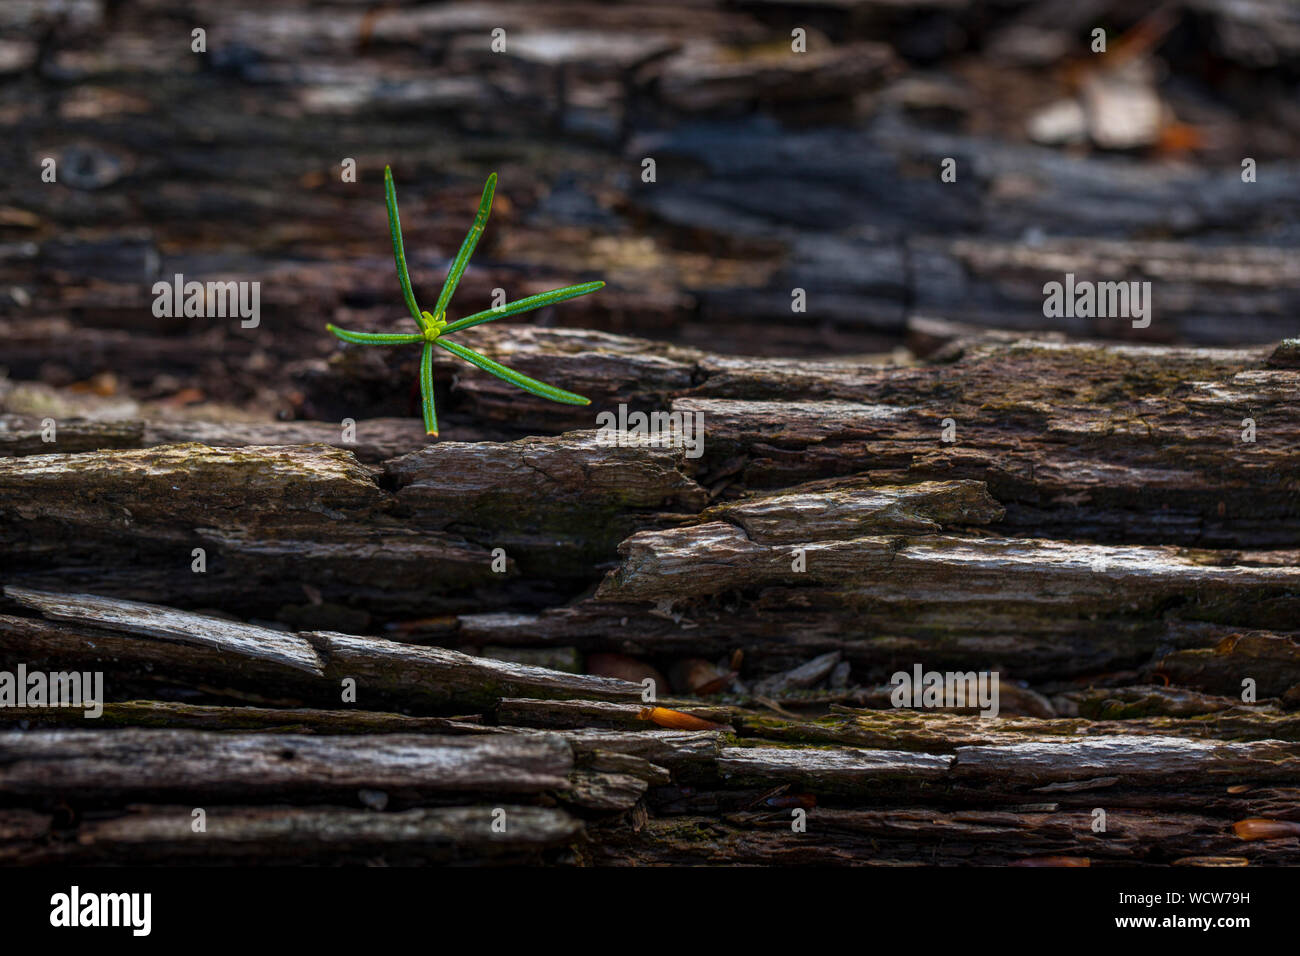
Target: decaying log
x: 94, y: 765
x: 1130, y: 448
x: 845, y: 204
x: 915, y: 836
x: 243, y: 640
x: 1098, y: 531
x: 164, y: 714
x: 433, y: 675
x: 325, y: 631
x: 283, y: 835
x: 1020, y: 789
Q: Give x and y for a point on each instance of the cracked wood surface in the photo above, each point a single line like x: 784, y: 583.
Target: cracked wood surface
x: 119, y: 764
x: 1008, y: 790
x: 294, y: 835
x: 1098, y: 533
x: 746, y: 207
x: 437, y: 674
x: 1162, y: 549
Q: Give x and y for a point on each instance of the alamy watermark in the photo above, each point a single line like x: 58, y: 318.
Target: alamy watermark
x: 934, y: 689
x: 75, y: 908
x: 1084, y: 299
x: 24, y: 688
x: 658, y: 429
x: 214, y: 300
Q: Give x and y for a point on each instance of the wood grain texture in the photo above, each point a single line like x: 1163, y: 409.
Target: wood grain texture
x: 924, y: 467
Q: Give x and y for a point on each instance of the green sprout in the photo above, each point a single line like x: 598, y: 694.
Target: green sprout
x: 435, y: 328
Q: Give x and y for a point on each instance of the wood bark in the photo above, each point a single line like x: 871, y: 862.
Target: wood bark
x: 330, y: 642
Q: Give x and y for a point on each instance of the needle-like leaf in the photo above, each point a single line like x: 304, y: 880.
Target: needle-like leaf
x: 467, y: 247
x: 399, y: 254
x: 434, y: 326
x: 523, y: 305
x: 510, y: 375
x: 376, y: 338
x: 426, y: 390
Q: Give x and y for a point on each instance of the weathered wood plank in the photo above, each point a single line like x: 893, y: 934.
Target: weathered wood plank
x: 836, y: 771
x: 114, y: 765
x: 915, y: 836
x: 1129, y: 760
x: 172, y: 715
x: 297, y: 835
x: 133, y: 617
x: 428, y: 677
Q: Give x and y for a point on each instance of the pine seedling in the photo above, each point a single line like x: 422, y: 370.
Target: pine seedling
x: 434, y: 328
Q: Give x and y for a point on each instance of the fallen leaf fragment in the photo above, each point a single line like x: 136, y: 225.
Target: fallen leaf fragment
x: 677, y: 720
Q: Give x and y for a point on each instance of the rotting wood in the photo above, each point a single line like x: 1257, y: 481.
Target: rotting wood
x: 234, y: 834
x: 170, y: 714
x: 88, y: 765
x: 436, y: 675
x: 1097, y: 529
x: 1113, y: 456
